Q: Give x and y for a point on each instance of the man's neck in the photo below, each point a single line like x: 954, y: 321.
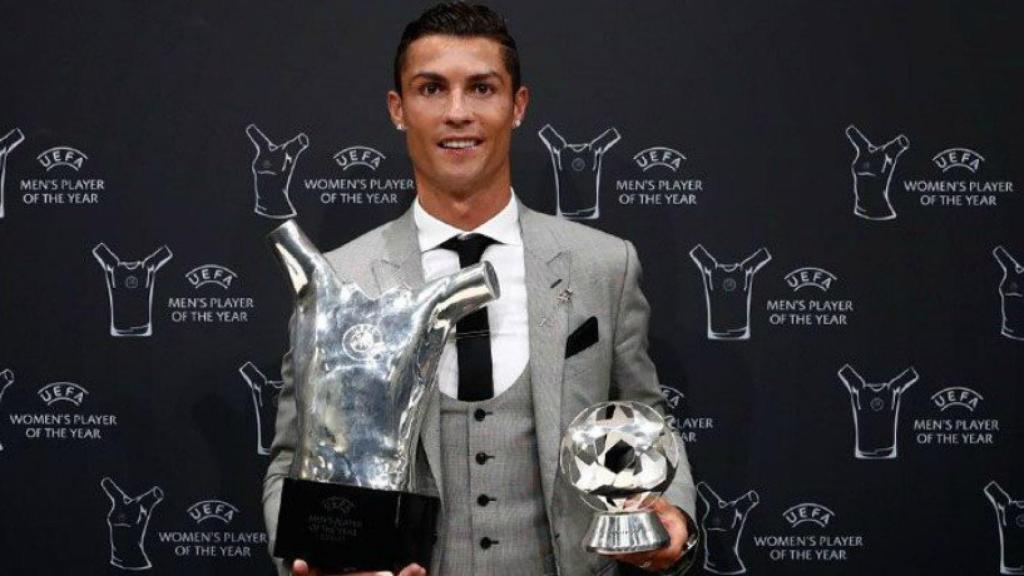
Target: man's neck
x: 464, y: 211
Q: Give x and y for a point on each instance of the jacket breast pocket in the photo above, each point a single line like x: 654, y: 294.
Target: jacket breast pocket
x: 582, y: 347
x: 583, y: 337
x: 584, y: 361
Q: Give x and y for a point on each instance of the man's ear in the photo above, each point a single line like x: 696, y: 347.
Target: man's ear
x: 519, y: 103
x: 395, y: 109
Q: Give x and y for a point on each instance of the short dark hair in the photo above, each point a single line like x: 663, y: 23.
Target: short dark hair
x: 465, y: 20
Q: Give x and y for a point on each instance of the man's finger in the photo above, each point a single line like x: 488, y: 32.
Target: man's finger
x: 672, y: 519
x: 413, y: 570
x: 660, y: 505
x: 300, y: 568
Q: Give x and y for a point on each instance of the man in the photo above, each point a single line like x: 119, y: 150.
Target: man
x: 569, y: 330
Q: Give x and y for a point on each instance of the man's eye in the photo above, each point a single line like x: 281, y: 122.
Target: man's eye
x: 483, y: 89
x: 430, y: 88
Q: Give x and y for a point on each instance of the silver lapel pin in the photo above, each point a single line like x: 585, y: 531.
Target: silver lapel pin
x: 565, y: 296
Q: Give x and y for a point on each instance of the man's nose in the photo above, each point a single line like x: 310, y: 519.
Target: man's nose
x: 458, y: 112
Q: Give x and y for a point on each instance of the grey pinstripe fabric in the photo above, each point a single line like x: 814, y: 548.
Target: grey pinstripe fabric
x: 572, y: 273
x: 515, y: 518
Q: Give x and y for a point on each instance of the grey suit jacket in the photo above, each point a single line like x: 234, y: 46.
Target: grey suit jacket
x: 603, y: 274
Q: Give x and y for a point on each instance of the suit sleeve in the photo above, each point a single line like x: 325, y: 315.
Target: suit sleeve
x: 282, y: 451
x: 634, y: 376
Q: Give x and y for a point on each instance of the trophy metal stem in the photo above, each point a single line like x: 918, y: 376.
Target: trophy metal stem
x: 625, y: 533
x: 296, y: 254
x: 363, y: 369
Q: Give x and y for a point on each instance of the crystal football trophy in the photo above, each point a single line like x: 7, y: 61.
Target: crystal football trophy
x: 620, y: 456
x: 363, y: 371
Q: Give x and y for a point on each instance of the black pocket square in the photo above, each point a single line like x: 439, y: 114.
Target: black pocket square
x: 582, y: 337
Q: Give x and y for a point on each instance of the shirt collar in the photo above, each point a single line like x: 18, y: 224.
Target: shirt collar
x: 503, y: 226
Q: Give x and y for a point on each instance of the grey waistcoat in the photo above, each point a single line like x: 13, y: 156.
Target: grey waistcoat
x: 494, y: 521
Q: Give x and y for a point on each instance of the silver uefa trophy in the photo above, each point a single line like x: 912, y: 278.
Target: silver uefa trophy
x: 620, y: 456
x: 363, y: 369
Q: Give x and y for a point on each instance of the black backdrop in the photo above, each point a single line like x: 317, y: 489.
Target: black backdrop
x: 147, y: 108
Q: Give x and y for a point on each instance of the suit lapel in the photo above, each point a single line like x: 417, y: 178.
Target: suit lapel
x: 548, y: 269
x: 401, y: 262
x: 402, y: 265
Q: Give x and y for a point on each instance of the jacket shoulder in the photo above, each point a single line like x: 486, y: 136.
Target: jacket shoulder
x: 572, y: 230
x: 363, y: 247
x: 588, y: 245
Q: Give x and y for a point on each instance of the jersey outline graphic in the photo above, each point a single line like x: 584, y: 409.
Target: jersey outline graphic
x: 264, y: 408
x: 576, y: 199
x: 876, y: 412
x: 6, y: 379
x: 272, y: 169
x: 1011, y: 530
x: 872, y: 168
x: 8, y: 143
x: 728, y: 318
x: 1011, y: 294
x: 722, y: 526
x: 127, y: 522
x: 131, y: 311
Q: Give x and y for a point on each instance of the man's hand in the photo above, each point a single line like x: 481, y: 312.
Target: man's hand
x: 300, y: 568
x: 661, y: 559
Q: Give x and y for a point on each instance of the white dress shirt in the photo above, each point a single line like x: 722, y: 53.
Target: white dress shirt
x: 506, y: 316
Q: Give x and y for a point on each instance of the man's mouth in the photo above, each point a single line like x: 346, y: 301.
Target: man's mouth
x: 459, y: 143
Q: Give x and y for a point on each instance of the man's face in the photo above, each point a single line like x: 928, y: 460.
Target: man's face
x: 458, y: 110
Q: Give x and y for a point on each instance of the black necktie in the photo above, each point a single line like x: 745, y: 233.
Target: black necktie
x: 472, y: 333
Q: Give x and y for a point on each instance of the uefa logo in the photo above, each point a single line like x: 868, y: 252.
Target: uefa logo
x: 808, y: 512
x: 62, y: 392
x: 212, y: 510
x: 211, y: 274
x: 65, y: 156
x: 956, y: 396
x: 359, y: 156
x: 958, y: 158
x: 360, y: 341
x: 338, y: 504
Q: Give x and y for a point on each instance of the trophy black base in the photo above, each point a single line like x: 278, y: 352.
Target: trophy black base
x: 337, y: 528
